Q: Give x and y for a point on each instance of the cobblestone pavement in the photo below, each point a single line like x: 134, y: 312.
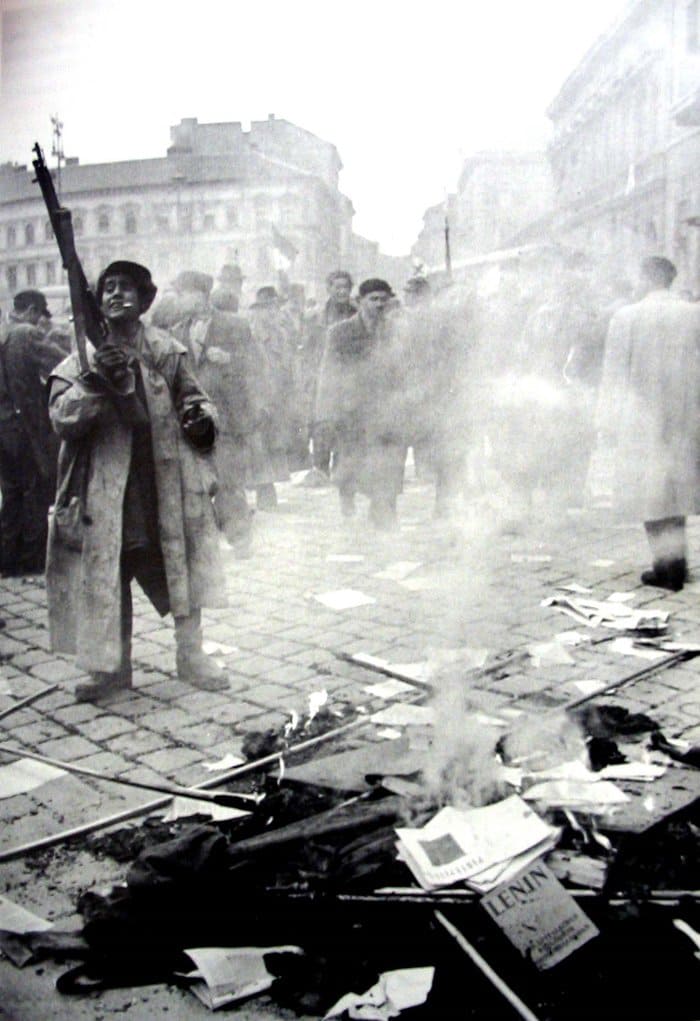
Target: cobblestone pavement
x: 474, y: 585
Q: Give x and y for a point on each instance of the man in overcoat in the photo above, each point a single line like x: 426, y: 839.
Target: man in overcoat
x: 649, y: 411
x: 28, y: 448
x: 137, y: 433
x: 361, y: 399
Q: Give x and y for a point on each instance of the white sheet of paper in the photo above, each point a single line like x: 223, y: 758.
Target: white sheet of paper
x: 14, y: 918
x: 228, y: 762
x: 622, y: 597
x: 588, y: 687
x: 182, y: 808
x: 549, y: 653
x: 572, y: 638
x: 344, y: 599
x: 389, y: 688
x: 602, y: 563
x: 420, y: 584
x: 574, y: 586
x: 345, y: 558
x: 389, y: 734
x: 26, y: 775
x: 398, y: 571
x: 395, y: 991
x: 402, y: 714
x: 626, y: 647
x: 601, y: 794
x: 530, y: 558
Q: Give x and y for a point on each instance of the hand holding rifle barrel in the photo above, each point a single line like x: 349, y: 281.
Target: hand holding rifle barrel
x: 88, y: 322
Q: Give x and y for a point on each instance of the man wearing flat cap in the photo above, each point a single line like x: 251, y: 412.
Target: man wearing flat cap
x: 137, y: 433
x: 28, y: 448
x: 361, y: 399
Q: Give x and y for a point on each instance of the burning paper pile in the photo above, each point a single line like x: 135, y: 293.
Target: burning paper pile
x: 610, y: 613
x: 482, y: 846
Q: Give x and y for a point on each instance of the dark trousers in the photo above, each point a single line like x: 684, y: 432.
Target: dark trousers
x: 26, y: 498
x: 147, y: 568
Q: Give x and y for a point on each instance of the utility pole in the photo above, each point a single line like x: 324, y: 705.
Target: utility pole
x: 57, y: 149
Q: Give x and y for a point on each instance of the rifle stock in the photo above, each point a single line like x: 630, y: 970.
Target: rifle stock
x: 87, y: 319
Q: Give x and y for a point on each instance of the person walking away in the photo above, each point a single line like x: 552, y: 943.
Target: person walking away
x: 649, y: 413
x: 28, y: 447
x: 137, y: 433
x: 361, y: 398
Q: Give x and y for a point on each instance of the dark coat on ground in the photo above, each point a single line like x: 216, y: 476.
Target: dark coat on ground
x: 362, y: 397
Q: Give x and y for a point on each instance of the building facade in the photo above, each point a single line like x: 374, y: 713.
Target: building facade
x: 267, y: 198
x: 498, y: 195
x: 626, y: 143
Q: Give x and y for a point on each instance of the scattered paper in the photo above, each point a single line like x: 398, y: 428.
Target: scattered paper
x: 578, y: 869
x: 14, y: 918
x: 572, y: 638
x: 574, y: 586
x: 344, y: 599
x: 228, y: 762
x: 389, y: 688
x: 582, y: 794
x: 389, y: 733
x: 530, y: 558
x: 462, y: 844
x: 345, y: 558
x: 419, y: 671
x: 609, y: 613
x: 404, y: 714
x: 538, y: 916
x: 420, y: 584
x: 182, y: 808
x: 622, y: 597
x: 628, y: 647
x: 588, y: 687
x: 317, y: 700
x: 212, y: 648
x: 602, y: 563
x: 395, y: 991
x: 229, y: 974
x: 398, y: 571
x: 549, y: 653
x: 26, y: 775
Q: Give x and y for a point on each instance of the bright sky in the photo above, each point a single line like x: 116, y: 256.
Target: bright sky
x: 404, y: 90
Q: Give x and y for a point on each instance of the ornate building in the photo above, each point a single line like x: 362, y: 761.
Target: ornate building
x: 625, y: 146
x: 267, y: 198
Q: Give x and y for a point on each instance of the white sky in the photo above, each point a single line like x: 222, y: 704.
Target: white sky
x: 404, y: 90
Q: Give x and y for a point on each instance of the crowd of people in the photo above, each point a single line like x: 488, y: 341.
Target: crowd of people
x: 134, y: 466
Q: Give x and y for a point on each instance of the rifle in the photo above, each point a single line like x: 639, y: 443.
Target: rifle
x: 87, y: 318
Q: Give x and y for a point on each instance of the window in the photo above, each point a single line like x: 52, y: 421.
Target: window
x: 162, y: 222
x: 50, y: 272
x: 130, y: 225
x: 29, y: 234
x: 11, y: 275
x: 11, y: 237
x: 48, y: 231
x: 103, y: 223
x: 231, y: 216
x: 208, y: 221
x: 78, y: 226
x: 31, y: 275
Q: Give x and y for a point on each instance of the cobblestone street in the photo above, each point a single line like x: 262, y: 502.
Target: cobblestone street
x: 472, y: 584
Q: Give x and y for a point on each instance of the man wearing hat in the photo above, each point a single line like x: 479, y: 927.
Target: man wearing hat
x: 28, y: 448
x: 361, y: 398
x: 137, y: 433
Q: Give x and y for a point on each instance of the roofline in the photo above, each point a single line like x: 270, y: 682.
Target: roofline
x: 632, y: 8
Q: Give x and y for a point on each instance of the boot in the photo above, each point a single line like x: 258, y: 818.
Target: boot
x: 103, y: 684
x: 193, y: 665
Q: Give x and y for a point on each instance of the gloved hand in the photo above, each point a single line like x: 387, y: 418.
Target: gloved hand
x: 112, y: 362
x: 198, y: 427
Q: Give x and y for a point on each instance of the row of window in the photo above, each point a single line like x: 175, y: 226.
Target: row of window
x: 29, y: 277
x: 179, y: 217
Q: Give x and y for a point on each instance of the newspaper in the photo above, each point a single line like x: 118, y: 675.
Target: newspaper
x: 227, y: 974
x: 479, y: 845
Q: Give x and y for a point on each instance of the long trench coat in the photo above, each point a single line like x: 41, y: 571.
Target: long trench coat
x: 83, y: 587
x: 362, y: 396
x: 649, y: 407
